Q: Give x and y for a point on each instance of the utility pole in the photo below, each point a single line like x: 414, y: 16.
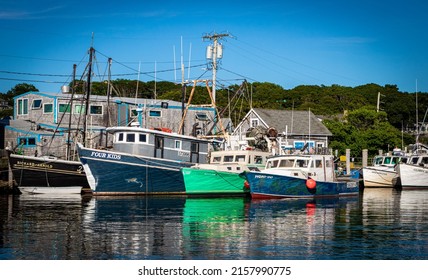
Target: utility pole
x: 215, y: 52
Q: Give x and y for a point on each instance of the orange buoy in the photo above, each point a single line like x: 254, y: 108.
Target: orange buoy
x: 246, y: 185
x: 311, y: 184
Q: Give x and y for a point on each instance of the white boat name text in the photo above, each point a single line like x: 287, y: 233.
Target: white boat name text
x: 104, y: 155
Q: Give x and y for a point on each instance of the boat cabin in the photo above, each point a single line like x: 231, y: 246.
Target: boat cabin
x: 317, y: 167
x: 159, y: 143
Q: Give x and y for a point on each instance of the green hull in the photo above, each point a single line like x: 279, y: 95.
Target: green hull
x: 203, y: 181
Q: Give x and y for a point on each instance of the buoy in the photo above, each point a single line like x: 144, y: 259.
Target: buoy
x: 246, y: 185
x: 311, y: 184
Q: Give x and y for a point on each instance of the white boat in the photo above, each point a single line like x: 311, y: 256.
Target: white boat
x: 414, y: 173
x: 382, y: 171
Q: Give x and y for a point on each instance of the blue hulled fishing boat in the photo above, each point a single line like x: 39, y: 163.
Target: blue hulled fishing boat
x: 299, y: 176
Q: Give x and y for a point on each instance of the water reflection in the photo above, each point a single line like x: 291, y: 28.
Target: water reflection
x: 379, y: 224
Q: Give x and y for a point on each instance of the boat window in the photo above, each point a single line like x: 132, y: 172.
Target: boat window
x: 414, y: 160
x: 318, y: 163
x: 130, y: 137
x: 194, y: 147
x: 228, y: 158
x: 216, y: 159
x: 258, y: 159
x: 159, y: 143
x: 378, y: 160
x: 328, y: 163
x: 273, y: 164
x: 240, y: 158
x: 286, y: 163
x: 301, y: 163
x: 424, y: 160
x: 143, y: 138
x: 387, y: 160
x: 395, y: 160
x: 177, y: 144
x: 120, y: 137
x: 37, y: 104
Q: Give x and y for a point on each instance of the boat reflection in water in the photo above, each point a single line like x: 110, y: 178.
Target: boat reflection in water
x: 378, y: 224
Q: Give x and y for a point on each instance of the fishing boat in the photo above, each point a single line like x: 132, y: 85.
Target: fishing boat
x: 37, y: 166
x: 382, y: 171
x: 47, y: 174
x: 142, y: 161
x: 221, y: 175
x: 299, y: 176
x: 414, y: 173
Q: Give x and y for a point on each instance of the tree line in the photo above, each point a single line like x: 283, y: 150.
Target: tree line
x: 364, y: 117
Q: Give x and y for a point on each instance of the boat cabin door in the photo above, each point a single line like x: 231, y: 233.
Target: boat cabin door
x: 194, y: 152
x: 159, y: 147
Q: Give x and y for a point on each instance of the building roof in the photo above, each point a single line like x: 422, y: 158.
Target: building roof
x: 293, y: 122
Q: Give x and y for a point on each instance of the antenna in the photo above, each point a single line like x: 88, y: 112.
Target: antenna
x: 175, y: 65
x: 138, y: 81
x: 188, y: 68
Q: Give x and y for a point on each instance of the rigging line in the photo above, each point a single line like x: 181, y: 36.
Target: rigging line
x: 32, y: 81
x: 296, y: 62
x: 32, y: 74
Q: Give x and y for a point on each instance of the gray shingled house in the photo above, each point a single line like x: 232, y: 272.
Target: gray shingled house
x: 294, y: 128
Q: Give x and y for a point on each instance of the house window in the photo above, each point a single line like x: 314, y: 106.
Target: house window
x: 22, y: 106
x: 96, y: 110
x: 155, y: 113
x: 202, y: 116
x: 177, y: 144
x: 27, y: 142
x: 64, y: 108
x: 37, y: 104
x: 79, y: 109
x: 254, y: 122
x: 298, y: 145
x: 47, y: 108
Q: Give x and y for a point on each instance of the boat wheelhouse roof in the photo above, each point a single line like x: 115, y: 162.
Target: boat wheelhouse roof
x: 135, y: 129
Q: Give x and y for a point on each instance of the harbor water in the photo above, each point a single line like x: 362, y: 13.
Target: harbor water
x: 379, y: 224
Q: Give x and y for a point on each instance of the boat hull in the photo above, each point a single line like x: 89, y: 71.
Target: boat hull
x: 412, y: 176
x: 114, y: 173
x: 278, y: 186
x: 213, y: 182
x: 43, y: 173
x: 374, y: 177
x: 51, y: 190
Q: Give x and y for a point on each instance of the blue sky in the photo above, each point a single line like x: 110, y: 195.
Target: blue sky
x: 285, y: 42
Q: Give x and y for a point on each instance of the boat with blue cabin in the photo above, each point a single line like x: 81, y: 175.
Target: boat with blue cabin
x: 299, y: 176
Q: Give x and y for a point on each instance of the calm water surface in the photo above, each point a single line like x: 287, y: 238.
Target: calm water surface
x: 379, y: 224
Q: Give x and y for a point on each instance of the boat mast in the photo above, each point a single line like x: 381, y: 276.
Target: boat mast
x: 71, y: 109
x: 88, y: 94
